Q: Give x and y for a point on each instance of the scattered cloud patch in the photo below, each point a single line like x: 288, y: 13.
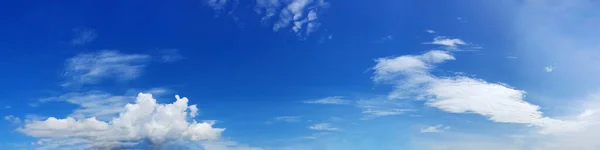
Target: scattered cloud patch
x: 434, y: 129
x: 300, y: 16
x: 83, y: 36
x: 430, y: 31
x: 447, y: 42
x: 12, y: 119
x: 288, y: 118
x: 91, y: 68
x: 323, y: 127
x: 143, y: 120
x: 329, y: 100
x: 548, y: 68
x: 380, y: 108
x: 511, y: 57
x: 217, y: 5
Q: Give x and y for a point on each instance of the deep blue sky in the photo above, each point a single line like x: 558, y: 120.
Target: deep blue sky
x: 248, y: 77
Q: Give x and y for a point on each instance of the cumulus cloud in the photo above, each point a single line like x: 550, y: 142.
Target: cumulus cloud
x: 323, y: 127
x: 91, y: 68
x: 410, y: 74
x: 144, y: 120
x: 83, y: 36
x: 430, y: 31
x: 434, y: 129
x: 328, y: 100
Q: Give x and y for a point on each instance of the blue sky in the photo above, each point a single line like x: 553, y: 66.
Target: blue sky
x: 300, y: 75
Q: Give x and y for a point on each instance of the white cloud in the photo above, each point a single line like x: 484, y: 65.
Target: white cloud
x: 143, y: 120
x: 288, y: 118
x: 499, y: 103
x: 217, y: 5
x: 294, y: 13
x: 434, y: 129
x: 511, y: 57
x: 91, y: 68
x: 430, y: 31
x: 83, y: 36
x: 268, y: 8
x: 100, y: 105
x: 328, y: 100
x: 323, y: 127
x: 548, y: 68
x: 380, y: 108
x: 12, y: 119
x: 448, y: 42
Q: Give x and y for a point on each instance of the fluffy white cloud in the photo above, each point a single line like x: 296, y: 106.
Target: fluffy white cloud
x: 83, y: 36
x: 323, y: 127
x: 448, y: 42
x: 498, y: 102
x: 328, y: 100
x: 143, y: 120
x: 435, y: 129
x: 91, y: 68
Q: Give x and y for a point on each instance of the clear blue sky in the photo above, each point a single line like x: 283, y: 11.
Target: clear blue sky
x: 300, y: 74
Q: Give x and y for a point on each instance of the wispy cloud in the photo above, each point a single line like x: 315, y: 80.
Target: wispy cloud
x: 430, y: 31
x: 435, y: 129
x: 323, y: 127
x: 288, y: 118
x: 511, y: 57
x: 446, y: 41
x: 329, y: 100
x: 549, y: 68
x: 217, y: 5
x: 12, y: 119
x: 170, y: 55
x: 101, y: 105
x: 380, y: 107
x: 91, y: 68
x: 83, y: 36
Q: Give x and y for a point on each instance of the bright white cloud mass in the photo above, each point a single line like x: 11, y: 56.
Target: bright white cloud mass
x: 143, y: 120
x: 459, y: 94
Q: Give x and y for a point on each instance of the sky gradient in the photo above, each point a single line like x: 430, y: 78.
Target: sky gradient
x: 300, y: 75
